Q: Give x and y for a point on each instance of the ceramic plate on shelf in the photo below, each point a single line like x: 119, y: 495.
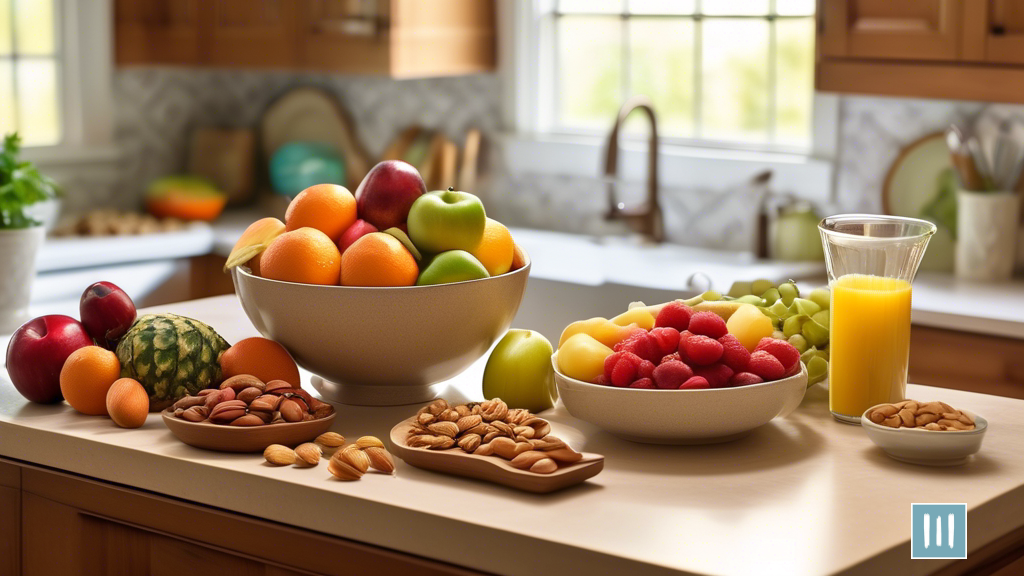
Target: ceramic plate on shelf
x: 226, y: 438
x: 491, y: 468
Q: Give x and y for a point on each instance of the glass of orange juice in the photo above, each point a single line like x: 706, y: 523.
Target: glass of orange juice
x: 871, y: 261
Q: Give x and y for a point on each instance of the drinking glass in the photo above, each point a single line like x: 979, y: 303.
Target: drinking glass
x: 871, y: 262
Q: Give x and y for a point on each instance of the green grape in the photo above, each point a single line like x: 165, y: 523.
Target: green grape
x: 804, y: 306
x: 821, y: 297
x: 711, y: 296
x: 778, y: 335
x: 771, y: 316
x: 799, y: 342
x: 824, y: 318
x: 779, y: 309
x: 812, y: 352
x: 759, y: 287
x: 794, y: 324
x: 815, y: 333
x: 788, y: 292
x: 751, y: 299
x: 740, y: 289
x: 771, y: 296
x: 817, y: 370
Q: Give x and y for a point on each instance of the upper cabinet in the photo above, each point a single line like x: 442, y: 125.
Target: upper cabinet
x: 962, y: 49
x: 398, y: 38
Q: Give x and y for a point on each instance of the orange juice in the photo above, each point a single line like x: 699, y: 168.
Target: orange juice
x: 869, y: 343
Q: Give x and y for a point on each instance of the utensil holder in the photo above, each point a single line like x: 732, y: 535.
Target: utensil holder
x: 987, y: 224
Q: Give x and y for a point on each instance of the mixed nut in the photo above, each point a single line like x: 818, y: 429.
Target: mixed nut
x: 244, y: 400
x: 937, y: 416
x: 348, y: 462
x: 492, y: 428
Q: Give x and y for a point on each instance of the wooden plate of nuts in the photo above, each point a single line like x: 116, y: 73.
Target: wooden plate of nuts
x: 490, y: 442
x: 926, y: 433
x: 247, y: 415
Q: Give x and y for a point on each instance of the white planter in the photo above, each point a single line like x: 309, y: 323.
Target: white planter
x: 18, y: 261
x: 986, y: 228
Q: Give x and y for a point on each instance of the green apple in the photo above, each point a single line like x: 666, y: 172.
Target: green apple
x: 451, y: 266
x: 519, y: 371
x: 404, y: 239
x: 447, y: 220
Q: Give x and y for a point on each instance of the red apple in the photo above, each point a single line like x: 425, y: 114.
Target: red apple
x: 387, y: 192
x: 357, y: 230
x: 37, y: 353
x: 107, y: 313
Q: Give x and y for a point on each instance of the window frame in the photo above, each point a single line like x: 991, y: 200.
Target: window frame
x: 530, y: 147
x: 85, y: 79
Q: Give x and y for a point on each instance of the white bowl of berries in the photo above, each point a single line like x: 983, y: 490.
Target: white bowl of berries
x: 682, y: 381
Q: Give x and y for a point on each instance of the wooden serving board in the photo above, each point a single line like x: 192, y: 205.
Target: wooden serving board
x: 491, y: 468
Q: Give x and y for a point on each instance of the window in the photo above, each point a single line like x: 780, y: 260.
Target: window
x: 30, y: 71
x: 721, y: 73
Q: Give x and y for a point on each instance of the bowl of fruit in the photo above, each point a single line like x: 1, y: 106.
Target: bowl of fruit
x: 705, y: 370
x: 383, y: 293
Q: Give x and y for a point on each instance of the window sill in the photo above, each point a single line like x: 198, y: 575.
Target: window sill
x: 679, y: 166
x: 70, y: 156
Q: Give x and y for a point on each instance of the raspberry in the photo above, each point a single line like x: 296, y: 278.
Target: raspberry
x: 695, y: 383
x: 745, y: 379
x: 643, y: 383
x: 765, y: 365
x: 670, y: 358
x: 601, y: 380
x: 792, y: 371
x: 717, y: 375
x: 646, y: 369
x: 672, y: 375
x: 786, y: 353
x: 620, y: 368
x: 674, y: 315
x: 683, y: 337
x: 668, y: 339
x: 701, y: 350
x: 708, y: 324
x: 734, y: 354
x: 641, y: 343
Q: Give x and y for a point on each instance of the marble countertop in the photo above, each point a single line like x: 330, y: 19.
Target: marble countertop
x: 802, y: 495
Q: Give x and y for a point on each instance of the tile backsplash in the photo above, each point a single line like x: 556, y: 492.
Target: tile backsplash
x: 158, y: 108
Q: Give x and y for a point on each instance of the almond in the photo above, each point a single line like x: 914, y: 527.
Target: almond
x: 291, y: 410
x: 330, y: 439
x: 279, y: 455
x: 240, y: 382
x: 249, y: 394
x: 380, y: 459
x: 354, y: 457
x: 369, y: 442
x: 309, y: 453
x: 343, y: 470
x: 248, y: 420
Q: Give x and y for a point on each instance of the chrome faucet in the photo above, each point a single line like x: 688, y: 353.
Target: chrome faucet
x: 645, y: 219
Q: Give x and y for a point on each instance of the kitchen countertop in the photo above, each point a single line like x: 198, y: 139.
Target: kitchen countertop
x: 807, y: 494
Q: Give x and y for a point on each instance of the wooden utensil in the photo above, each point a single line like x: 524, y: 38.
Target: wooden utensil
x: 470, y: 159
x: 226, y: 438
x: 491, y: 468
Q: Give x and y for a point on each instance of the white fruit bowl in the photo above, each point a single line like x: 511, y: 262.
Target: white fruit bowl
x: 680, y: 416
x: 926, y: 447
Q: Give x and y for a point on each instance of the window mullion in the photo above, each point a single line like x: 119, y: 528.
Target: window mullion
x: 772, y: 72
x: 626, y: 67
x: 698, y: 68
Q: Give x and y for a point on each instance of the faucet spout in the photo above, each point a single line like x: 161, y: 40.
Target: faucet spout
x: 646, y: 219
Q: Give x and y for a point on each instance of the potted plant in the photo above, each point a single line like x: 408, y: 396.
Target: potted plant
x: 21, y: 185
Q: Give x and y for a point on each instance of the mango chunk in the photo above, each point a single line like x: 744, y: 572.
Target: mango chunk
x: 582, y: 357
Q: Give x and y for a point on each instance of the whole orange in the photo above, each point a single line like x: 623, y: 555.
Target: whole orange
x: 378, y: 259
x: 495, y: 248
x: 305, y: 255
x: 262, y: 358
x: 86, y: 376
x: 329, y: 208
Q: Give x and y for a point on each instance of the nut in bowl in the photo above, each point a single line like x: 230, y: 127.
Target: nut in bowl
x: 925, y: 433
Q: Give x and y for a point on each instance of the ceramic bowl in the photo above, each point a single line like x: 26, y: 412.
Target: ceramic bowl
x: 926, y: 447
x: 680, y: 416
x: 383, y: 346
x: 224, y: 438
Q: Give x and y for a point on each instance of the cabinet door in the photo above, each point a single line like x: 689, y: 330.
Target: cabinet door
x: 10, y: 519
x: 346, y: 36
x: 891, y: 29
x: 993, y: 31
x: 157, y: 32
x: 260, y: 33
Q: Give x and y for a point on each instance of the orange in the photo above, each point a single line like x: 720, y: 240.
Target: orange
x: 262, y: 358
x: 329, y: 208
x: 495, y: 249
x: 127, y: 403
x: 305, y: 255
x: 86, y: 376
x: 377, y: 259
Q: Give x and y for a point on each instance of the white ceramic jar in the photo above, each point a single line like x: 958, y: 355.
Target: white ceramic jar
x: 986, y: 227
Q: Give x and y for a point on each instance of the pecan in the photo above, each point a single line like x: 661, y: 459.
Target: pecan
x: 240, y: 382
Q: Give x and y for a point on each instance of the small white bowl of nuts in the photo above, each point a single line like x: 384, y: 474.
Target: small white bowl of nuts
x: 926, y: 433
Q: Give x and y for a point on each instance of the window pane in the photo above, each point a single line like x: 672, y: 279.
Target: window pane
x: 6, y: 98
x: 735, y: 7
x: 34, y: 22
x: 794, y: 91
x: 590, y: 6
x: 5, y: 27
x: 37, y: 102
x: 661, y: 67
x: 661, y: 6
x: 794, y: 7
x: 589, y: 70
x: 734, y: 95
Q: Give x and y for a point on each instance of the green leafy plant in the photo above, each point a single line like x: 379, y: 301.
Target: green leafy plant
x: 21, y: 185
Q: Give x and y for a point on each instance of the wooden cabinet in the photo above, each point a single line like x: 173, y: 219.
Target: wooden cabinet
x: 10, y: 519
x: 962, y: 49
x: 398, y: 38
x: 964, y: 361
